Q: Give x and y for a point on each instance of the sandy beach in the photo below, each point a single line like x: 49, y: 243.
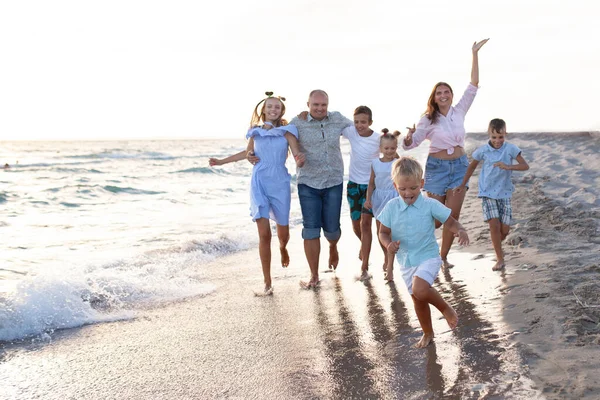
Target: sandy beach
x: 553, y: 298
x: 531, y: 331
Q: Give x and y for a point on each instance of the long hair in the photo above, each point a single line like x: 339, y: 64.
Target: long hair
x: 258, y: 117
x: 433, y: 111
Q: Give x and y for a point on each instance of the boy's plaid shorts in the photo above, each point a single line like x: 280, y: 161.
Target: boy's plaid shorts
x: 497, y: 208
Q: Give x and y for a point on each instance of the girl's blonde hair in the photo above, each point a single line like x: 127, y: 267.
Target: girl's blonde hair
x: 258, y: 117
x: 407, y: 166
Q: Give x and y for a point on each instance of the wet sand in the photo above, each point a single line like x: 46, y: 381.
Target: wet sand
x: 348, y: 339
x: 521, y: 334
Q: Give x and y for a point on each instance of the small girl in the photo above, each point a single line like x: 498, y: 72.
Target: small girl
x: 381, y: 188
x: 269, y: 137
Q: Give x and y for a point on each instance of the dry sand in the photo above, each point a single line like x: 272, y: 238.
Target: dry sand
x: 528, y: 332
x: 553, y: 298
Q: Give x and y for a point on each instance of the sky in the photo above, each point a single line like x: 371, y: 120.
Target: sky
x: 83, y: 70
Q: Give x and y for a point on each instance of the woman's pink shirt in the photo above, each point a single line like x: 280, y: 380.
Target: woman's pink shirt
x: 448, y: 131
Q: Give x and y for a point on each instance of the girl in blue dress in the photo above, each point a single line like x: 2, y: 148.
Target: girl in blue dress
x: 269, y: 138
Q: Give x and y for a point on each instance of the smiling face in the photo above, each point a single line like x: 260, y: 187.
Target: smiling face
x: 497, y: 138
x: 362, y: 122
x: 388, y: 148
x: 408, y: 187
x: 272, y: 110
x: 443, y: 97
x: 317, y: 105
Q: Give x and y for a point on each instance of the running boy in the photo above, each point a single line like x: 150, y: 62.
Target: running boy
x: 495, y: 186
x: 408, y: 229
x: 364, y: 148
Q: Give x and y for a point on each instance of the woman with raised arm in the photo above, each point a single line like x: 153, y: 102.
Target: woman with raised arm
x: 444, y: 126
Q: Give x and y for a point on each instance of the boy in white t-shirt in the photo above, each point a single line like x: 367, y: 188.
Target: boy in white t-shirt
x: 364, y: 148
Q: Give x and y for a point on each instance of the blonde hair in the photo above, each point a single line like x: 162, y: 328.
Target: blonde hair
x: 258, y: 116
x: 407, y: 166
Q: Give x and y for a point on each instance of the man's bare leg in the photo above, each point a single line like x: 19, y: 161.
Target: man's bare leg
x: 312, y: 249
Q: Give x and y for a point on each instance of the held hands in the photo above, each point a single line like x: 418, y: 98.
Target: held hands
x: 393, y: 247
x: 368, y: 205
x: 463, y: 238
x: 300, y: 159
x: 477, y: 46
x: 252, y: 159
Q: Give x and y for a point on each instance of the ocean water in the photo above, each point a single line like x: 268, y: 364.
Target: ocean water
x: 99, y: 231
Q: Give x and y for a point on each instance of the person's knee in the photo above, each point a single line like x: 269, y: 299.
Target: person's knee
x: 332, y: 236
x: 311, y: 233
x: 284, y: 237
x: 356, y: 226
x: 419, y: 291
x: 505, y: 231
x: 264, y: 235
x: 365, y: 223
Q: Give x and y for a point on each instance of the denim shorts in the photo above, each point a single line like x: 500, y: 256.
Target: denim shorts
x: 320, y: 209
x: 497, y: 208
x: 443, y: 175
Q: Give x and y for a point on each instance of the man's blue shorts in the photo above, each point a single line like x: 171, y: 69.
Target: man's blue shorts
x: 321, y: 210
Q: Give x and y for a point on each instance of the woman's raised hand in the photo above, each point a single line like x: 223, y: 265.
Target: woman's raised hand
x: 479, y: 45
x: 409, y: 135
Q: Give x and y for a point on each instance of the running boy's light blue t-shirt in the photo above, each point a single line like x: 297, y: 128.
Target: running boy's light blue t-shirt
x: 495, y: 182
x: 414, y: 227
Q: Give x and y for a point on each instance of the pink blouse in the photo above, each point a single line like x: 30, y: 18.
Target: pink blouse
x: 448, y: 131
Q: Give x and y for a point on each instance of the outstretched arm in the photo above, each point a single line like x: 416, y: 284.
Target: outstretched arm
x: 233, y: 158
x: 455, y: 227
x: 475, y: 65
x: 472, y: 166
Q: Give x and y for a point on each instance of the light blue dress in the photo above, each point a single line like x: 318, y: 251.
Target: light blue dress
x: 384, y: 186
x: 270, y: 195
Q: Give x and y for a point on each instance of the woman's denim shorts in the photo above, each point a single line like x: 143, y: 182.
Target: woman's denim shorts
x: 443, y: 175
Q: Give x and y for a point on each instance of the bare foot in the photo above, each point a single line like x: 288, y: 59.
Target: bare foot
x: 388, y: 276
x: 364, y: 275
x: 451, y: 317
x: 425, y: 340
x: 334, y: 257
x: 285, y: 257
x: 446, y: 264
x: 499, y: 266
x: 268, y: 290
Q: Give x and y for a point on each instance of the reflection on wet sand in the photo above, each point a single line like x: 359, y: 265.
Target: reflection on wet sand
x: 368, y: 335
x: 351, y: 371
